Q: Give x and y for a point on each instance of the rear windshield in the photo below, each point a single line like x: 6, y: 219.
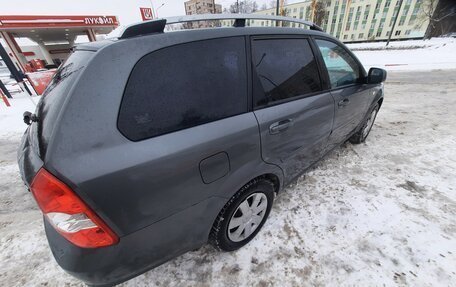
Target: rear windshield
x: 55, y: 94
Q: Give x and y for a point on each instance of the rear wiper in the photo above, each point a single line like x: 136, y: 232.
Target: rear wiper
x: 29, y: 118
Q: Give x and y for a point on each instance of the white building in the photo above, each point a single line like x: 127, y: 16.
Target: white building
x: 360, y: 20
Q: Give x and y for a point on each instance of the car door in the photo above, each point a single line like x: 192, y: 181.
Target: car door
x: 351, y: 94
x: 294, y: 115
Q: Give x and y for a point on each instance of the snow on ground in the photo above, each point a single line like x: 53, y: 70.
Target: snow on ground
x: 436, y: 53
x: 379, y: 213
x: 11, y: 120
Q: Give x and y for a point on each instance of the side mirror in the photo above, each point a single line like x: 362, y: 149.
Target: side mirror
x: 376, y: 76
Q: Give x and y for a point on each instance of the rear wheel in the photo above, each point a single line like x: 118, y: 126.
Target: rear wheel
x: 243, y: 216
x: 362, y: 134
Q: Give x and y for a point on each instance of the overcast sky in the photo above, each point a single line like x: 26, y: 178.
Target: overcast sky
x: 126, y: 10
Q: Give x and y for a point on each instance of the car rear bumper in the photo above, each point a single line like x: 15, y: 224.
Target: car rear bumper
x: 137, y: 252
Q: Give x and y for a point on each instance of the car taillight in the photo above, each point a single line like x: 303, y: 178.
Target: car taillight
x: 68, y: 214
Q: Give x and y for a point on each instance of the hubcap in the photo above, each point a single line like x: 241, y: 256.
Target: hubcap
x: 247, y: 217
x: 370, y: 123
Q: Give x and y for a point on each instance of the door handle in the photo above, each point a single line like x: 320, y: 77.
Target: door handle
x: 344, y: 102
x: 280, y: 126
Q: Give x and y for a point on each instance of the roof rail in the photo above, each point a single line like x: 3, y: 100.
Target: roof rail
x: 158, y: 25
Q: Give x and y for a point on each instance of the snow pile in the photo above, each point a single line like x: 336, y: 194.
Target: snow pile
x: 436, y: 53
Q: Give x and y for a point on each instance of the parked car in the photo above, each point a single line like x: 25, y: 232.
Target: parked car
x: 153, y: 144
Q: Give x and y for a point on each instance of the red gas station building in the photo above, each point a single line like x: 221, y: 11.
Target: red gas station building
x: 54, y: 37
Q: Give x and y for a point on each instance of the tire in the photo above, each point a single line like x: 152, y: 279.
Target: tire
x: 361, y: 135
x: 226, y: 233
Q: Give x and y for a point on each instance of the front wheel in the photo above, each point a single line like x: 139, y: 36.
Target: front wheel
x: 243, y: 216
x: 362, y: 134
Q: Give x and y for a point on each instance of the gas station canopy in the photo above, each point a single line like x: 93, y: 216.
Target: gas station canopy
x: 51, y: 31
x: 54, y: 37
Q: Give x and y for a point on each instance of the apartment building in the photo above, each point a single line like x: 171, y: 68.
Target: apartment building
x: 360, y: 20
x: 202, y: 7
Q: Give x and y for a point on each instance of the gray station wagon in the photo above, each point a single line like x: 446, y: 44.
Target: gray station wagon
x: 156, y: 142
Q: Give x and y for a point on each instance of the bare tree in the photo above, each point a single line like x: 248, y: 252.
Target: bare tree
x: 254, y: 6
x: 285, y: 13
x: 264, y: 6
x: 426, y: 15
x: 272, y: 3
x: 244, y: 6
x: 320, y: 13
x: 440, y: 15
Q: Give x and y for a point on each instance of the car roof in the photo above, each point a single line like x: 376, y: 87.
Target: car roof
x: 208, y: 33
x: 156, y: 28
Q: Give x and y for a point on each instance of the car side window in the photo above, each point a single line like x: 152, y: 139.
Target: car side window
x: 183, y: 86
x: 283, y: 69
x: 343, y: 70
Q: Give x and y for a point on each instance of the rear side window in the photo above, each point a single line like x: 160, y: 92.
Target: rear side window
x: 342, y: 68
x: 283, y: 69
x: 183, y: 86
